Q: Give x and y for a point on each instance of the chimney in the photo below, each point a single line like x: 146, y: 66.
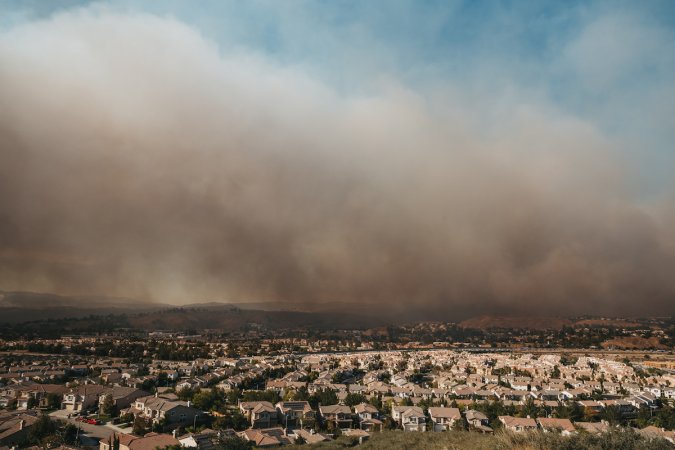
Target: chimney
x: 173, y: 433
x: 189, y: 403
x: 156, y: 394
x: 21, y: 424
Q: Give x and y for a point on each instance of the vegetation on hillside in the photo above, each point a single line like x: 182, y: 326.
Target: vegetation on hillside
x: 399, y: 440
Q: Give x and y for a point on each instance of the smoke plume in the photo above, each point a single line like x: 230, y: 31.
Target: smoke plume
x: 137, y: 160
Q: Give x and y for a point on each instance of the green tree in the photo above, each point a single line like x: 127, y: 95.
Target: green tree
x: 231, y: 419
x: 53, y: 401
x: 126, y: 418
x: 530, y: 409
x: 209, y: 400
x: 323, y: 397
x: 31, y: 403
x: 460, y: 424
x: 233, y: 396
x: 612, y: 415
x: 69, y: 433
x: 301, y: 394
x: 108, y: 406
x: 555, y: 373
x: 355, y: 399
x: 42, y: 428
x: 141, y: 427
x: 263, y: 396
x: 187, y: 393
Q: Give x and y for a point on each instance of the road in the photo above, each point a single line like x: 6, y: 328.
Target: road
x: 88, y: 432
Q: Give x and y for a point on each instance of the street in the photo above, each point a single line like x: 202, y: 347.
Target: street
x: 90, y: 432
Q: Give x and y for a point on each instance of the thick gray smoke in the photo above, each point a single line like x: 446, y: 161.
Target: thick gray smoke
x: 135, y: 160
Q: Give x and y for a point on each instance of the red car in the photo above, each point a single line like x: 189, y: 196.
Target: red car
x: 93, y: 421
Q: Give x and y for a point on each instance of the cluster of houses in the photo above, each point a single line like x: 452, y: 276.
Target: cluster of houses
x: 419, y: 391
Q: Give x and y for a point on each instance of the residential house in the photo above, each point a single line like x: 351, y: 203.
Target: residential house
x: 477, y: 421
x: 111, y: 376
x: 259, y: 413
x: 361, y: 435
x: 624, y: 408
x: 82, y: 398
x: 591, y: 407
x: 518, y: 424
x: 410, y: 418
x: 310, y: 437
x: 204, y: 440
x: 443, y: 419
x: 655, y: 432
x: 338, y: 415
x: 157, y: 409
x: 15, y: 427
x: 267, y: 437
x: 642, y: 400
x: 295, y: 413
x: 368, y: 417
x: 150, y: 441
x: 122, y: 397
x: 550, y: 424
x: 38, y: 394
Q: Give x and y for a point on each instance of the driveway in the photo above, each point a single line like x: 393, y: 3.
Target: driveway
x: 89, y: 431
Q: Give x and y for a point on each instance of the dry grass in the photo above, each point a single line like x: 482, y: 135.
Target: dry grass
x: 398, y: 440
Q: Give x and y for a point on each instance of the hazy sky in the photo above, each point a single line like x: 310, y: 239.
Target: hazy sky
x: 458, y: 156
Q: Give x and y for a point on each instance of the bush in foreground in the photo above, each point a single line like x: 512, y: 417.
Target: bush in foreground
x: 623, y: 439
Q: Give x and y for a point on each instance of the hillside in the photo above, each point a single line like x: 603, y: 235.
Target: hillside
x: 634, y: 343
x: 17, y: 307
x: 608, y: 323
x: 236, y: 319
x: 533, y: 323
x: 398, y: 440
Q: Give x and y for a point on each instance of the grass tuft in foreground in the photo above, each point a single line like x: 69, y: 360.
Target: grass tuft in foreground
x: 624, y: 439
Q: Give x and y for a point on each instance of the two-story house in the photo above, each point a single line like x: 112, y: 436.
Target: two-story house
x: 339, y: 415
x: 38, y: 395
x: 82, y: 398
x: 368, y: 417
x: 443, y: 419
x: 122, y: 397
x: 260, y: 414
x: 410, y: 418
x: 295, y: 413
x: 158, y: 409
x: 477, y: 421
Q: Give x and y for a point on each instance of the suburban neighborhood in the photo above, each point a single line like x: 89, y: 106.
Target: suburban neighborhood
x: 285, y: 399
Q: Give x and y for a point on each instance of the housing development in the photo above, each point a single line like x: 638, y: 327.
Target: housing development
x: 277, y: 397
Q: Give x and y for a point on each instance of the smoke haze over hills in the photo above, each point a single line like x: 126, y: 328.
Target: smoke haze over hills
x: 138, y: 159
